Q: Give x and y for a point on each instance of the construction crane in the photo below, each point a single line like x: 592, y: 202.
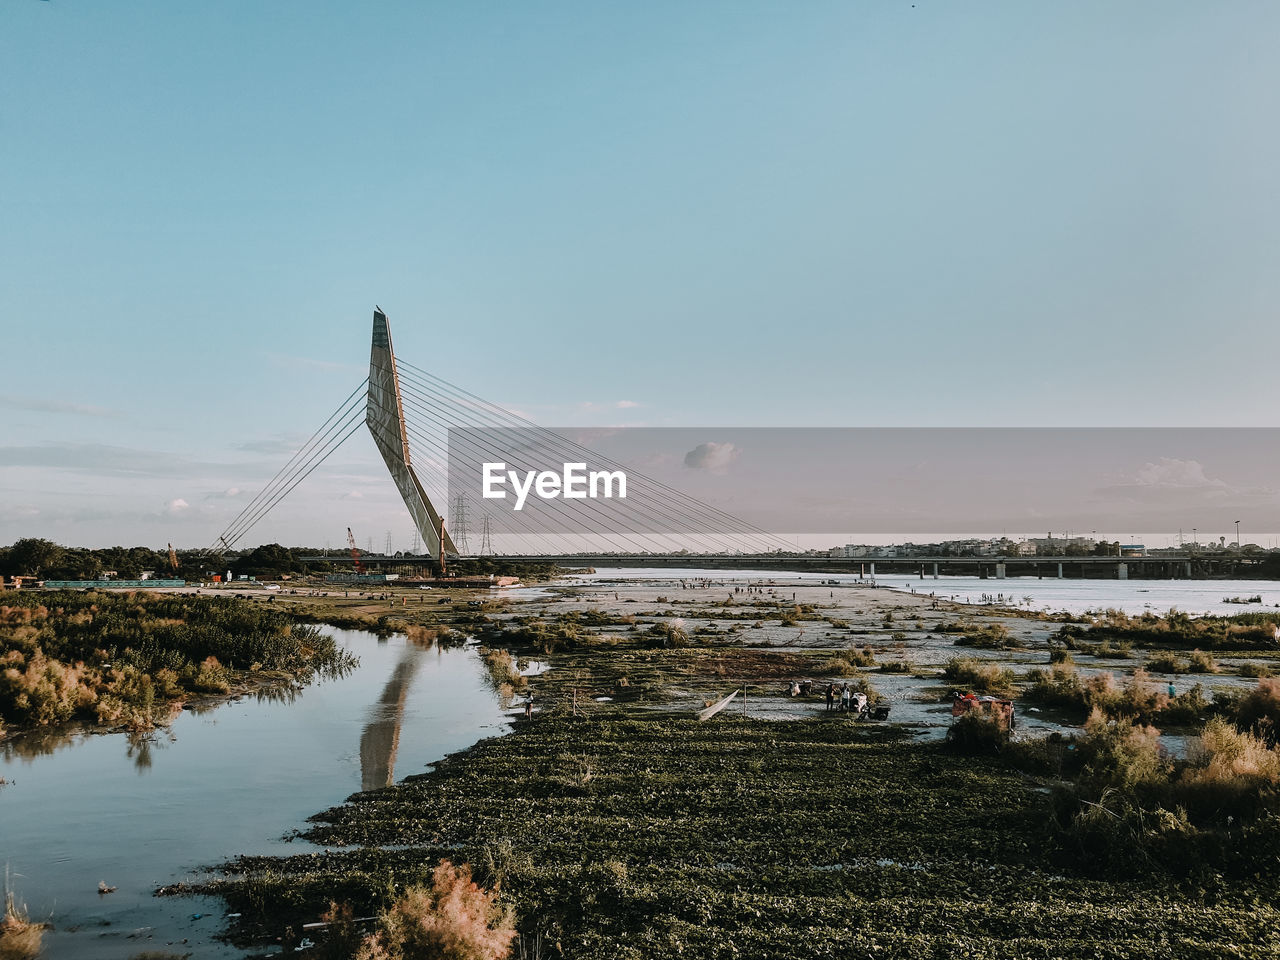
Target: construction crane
x: 355, y: 552
x: 173, y: 558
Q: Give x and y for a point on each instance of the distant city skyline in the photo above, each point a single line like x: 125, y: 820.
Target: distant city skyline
x: 729, y: 214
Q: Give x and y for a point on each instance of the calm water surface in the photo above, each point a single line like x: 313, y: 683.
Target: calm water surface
x: 234, y: 779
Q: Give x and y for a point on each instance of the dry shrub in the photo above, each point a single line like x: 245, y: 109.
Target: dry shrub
x: 1166, y: 662
x: 427, y: 636
x: 452, y: 920
x: 1121, y: 753
x: 17, y: 615
x: 977, y: 733
x: 1101, y: 691
x: 842, y: 664
x: 166, y: 683
x: 1202, y: 662
x: 1259, y: 709
x: 1141, y: 697
x: 981, y: 678
x: 341, y: 938
x: 211, y: 677
x: 502, y: 669
x: 19, y: 937
x: 42, y: 691
x: 1225, y: 755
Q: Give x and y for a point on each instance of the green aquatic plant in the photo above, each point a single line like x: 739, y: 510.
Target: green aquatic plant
x: 127, y: 659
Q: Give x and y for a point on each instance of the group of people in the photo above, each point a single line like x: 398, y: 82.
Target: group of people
x: 846, y: 700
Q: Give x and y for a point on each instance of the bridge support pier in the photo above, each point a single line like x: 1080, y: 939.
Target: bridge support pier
x: 999, y: 571
x: 1059, y: 570
x: 873, y: 571
x: 935, y: 571
x: 1187, y: 569
x: 1122, y: 571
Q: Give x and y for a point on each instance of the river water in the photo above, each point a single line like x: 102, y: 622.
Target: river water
x: 1074, y: 596
x: 85, y: 808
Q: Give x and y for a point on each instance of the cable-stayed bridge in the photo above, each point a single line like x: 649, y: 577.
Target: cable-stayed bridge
x: 424, y: 426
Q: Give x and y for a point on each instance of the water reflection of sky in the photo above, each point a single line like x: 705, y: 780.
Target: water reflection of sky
x: 139, y: 812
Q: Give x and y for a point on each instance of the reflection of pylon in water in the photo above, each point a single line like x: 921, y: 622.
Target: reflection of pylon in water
x: 486, y: 545
x: 458, y: 524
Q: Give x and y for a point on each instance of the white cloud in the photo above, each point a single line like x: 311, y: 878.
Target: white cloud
x: 353, y: 495
x: 176, y: 507
x: 1182, y: 474
x: 711, y: 456
x: 626, y: 404
x: 278, y: 445
x: 41, y: 405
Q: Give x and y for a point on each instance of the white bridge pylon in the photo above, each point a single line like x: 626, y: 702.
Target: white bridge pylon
x: 384, y: 415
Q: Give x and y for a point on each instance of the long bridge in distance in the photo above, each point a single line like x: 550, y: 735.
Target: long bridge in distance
x: 1185, y: 566
x: 1166, y: 567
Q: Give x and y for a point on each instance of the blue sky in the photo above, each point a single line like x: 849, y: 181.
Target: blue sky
x: 751, y: 214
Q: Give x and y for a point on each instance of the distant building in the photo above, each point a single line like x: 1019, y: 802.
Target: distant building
x: 1062, y: 546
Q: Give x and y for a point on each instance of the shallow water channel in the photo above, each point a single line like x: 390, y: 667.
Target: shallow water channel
x: 82, y: 808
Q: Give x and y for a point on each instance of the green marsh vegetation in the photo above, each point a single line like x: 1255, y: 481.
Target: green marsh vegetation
x: 991, y: 636
x: 849, y: 662
x: 636, y: 837
x: 1138, y: 699
x: 1176, y: 630
x: 633, y: 833
x: 1122, y: 807
x: 979, y: 677
x: 131, y: 659
x: 1211, y: 817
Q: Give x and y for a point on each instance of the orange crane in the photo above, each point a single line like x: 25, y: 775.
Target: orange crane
x: 355, y: 554
x: 173, y: 558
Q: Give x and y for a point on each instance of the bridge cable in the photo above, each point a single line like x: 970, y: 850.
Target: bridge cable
x: 317, y: 449
x: 691, y: 507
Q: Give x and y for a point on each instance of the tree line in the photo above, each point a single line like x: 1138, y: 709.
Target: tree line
x: 46, y: 560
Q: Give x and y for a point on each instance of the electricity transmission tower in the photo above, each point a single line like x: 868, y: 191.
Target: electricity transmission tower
x: 486, y: 545
x: 458, y: 528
